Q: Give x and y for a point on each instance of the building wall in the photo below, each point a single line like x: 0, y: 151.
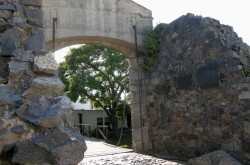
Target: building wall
x: 90, y: 117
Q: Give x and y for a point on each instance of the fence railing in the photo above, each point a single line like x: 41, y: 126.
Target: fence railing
x: 98, y: 130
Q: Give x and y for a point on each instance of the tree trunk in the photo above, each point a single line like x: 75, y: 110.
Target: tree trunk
x: 114, y: 123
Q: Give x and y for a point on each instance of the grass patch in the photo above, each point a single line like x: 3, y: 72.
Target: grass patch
x: 126, y: 141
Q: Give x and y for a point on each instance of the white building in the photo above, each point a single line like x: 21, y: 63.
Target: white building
x: 84, y: 113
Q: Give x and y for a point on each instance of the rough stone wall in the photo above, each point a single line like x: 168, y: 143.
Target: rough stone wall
x: 198, y: 94
x: 35, y: 119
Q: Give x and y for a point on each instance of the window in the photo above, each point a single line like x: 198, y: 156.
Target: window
x: 106, y: 121
x: 80, y: 118
x: 100, y: 121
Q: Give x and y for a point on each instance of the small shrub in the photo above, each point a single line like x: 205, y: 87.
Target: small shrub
x: 151, y: 47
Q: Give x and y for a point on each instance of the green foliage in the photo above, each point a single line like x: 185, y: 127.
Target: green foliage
x: 96, y: 73
x: 126, y: 141
x: 246, y: 70
x: 152, y: 47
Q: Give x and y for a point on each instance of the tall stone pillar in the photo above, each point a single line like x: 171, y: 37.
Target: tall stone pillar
x: 138, y: 111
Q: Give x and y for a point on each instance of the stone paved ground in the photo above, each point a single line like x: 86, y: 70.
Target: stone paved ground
x: 127, y: 159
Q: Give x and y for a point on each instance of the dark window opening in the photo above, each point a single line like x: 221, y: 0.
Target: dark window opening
x: 99, y: 121
x: 80, y: 118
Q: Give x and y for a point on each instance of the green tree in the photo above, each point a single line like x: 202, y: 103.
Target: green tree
x: 99, y: 74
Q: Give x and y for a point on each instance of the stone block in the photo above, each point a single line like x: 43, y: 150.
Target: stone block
x: 44, y: 86
x: 244, y: 95
x: 62, y: 142
x: 48, y: 112
x: 9, y: 97
x: 244, y: 86
x: 11, y: 40
x: 184, y: 81
x: 22, y: 55
x: 20, y: 75
x: 207, y: 74
x: 247, y: 127
x: 36, y: 3
x: 2, y: 23
x: 30, y: 153
x: 35, y: 43
x: 7, y: 7
x: 34, y: 16
x: 46, y: 65
x: 5, y: 14
x: 215, y: 158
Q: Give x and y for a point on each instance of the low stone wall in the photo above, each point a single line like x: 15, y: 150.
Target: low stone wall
x: 35, y: 119
x: 198, y: 93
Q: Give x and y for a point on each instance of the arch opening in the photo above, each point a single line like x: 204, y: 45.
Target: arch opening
x: 103, y: 116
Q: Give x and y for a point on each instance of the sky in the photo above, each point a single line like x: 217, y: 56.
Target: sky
x: 232, y: 13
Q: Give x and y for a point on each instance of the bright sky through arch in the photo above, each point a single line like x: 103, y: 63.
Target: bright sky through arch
x: 232, y: 13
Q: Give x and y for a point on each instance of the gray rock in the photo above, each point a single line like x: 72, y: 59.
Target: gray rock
x: 46, y: 65
x: 44, y: 86
x: 63, y: 142
x: 19, y: 129
x: 7, y: 7
x: 57, y: 146
x: 219, y: 157
x: 30, y: 153
x: 37, y: 3
x: 7, y: 138
x: 34, y: 16
x: 48, y: 112
x: 10, y: 40
x: 13, y: 130
x: 5, y: 14
x: 244, y: 95
x: 35, y: 43
x: 20, y: 75
x: 9, y: 97
x: 19, y: 20
x: 22, y: 55
x: 3, y: 22
x: 3, y: 80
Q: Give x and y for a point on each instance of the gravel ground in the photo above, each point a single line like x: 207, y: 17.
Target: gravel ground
x: 127, y: 159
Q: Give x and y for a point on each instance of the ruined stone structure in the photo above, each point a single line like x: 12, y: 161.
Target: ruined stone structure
x: 35, y: 119
x: 198, y: 93
x: 194, y: 100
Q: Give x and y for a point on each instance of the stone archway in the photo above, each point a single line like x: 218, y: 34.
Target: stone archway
x: 110, y: 23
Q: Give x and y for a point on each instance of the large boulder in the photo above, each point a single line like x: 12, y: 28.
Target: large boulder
x: 12, y: 131
x: 46, y: 65
x: 57, y: 146
x: 219, y: 157
x: 30, y: 153
x: 44, y: 86
x: 47, y: 112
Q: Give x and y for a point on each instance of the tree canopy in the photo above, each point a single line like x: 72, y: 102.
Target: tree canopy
x: 96, y: 73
